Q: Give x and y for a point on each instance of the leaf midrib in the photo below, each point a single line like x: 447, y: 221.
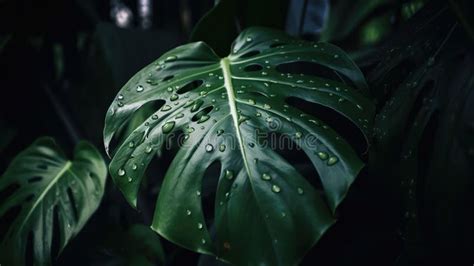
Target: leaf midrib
x: 66, y: 167
x: 235, y: 117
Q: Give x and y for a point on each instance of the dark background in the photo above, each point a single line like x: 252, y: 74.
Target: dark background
x: 62, y: 63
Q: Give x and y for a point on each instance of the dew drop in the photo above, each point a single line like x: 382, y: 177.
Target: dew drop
x: 121, y: 172
x: 148, y: 149
x: 267, y: 106
x: 180, y: 115
x: 198, y: 193
x: 134, y: 166
x: 209, y: 148
x: 140, y: 88
x: 222, y: 148
x: 220, y: 132
x: 174, y: 97
x: 168, y: 127
x: 251, y: 101
x: 360, y: 107
x: 200, y: 226
x: 229, y: 174
x: 130, y: 179
x: 243, y: 118
x: 276, y: 189
x: 203, y: 119
x: 203, y: 241
x: 332, y: 160
x: 251, y: 145
x: 188, y: 212
x: 298, y: 135
x: 258, y: 114
x: 249, y: 39
x: 196, y: 105
x: 266, y: 177
x: 336, y: 56
x: 120, y: 97
x: 120, y: 104
x: 166, y: 108
x: 171, y: 58
x: 323, y: 155
x: 300, y: 191
x: 131, y: 144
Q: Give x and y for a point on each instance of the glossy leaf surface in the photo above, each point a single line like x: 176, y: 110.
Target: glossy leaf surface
x: 266, y: 212
x: 48, y: 192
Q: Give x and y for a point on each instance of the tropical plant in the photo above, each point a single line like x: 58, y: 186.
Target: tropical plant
x: 245, y: 145
x: 48, y: 193
x: 221, y: 104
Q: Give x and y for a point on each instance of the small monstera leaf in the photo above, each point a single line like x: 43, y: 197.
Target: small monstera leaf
x: 48, y: 191
x: 266, y: 212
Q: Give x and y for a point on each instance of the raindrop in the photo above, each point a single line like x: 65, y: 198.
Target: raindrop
x: 323, y: 155
x: 121, y: 172
x: 166, y: 108
x: 332, y: 160
x: 120, y: 104
x: 207, y: 85
x: 140, y: 88
x: 200, y: 226
x: 134, y: 166
x: 249, y: 39
x: 181, y: 115
x: 276, y: 189
x: 188, y: 212
x: 174, y: 97
x: 190, y: 129
x: 300, y: 191
x: 258, y: 114
x: 131, y: 144
x: 171, y: 58
x: 120, y: 97
x: 203, y: 119
x: 222, y: 148
x: 198, y: 193
x: 264, y: 73
x: 168, y: 127
x: 130, y: 179
x: 229, y: 174
x: 266, y: 177
x: 209, y: 148
x: 196, y: 105
x: 243, y: 118
x: 170, y: 89
x: 203, y: 241
x: 148, y: 149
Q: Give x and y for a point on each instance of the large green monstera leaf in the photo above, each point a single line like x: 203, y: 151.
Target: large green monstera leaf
x: 266, y: 212
x: 47, y: 191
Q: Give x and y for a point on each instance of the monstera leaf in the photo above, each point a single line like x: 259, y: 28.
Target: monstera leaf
x: 48, y: 191
x: 266, y: 212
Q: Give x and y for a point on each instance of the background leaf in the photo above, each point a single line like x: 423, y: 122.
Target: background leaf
x: 47, y: 193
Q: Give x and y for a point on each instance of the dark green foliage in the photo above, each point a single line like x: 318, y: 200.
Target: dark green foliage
x: 230, y: 102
